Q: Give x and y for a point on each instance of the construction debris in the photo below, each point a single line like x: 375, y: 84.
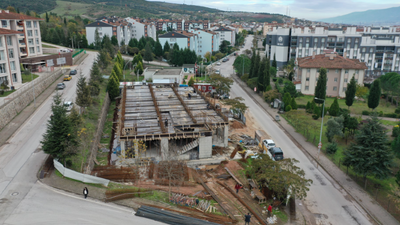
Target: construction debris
x: 272, y: 220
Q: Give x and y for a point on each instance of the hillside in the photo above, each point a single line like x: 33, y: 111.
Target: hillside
x: 389, y: 16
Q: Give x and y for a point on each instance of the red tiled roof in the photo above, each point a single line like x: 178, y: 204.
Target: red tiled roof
x: 16, y: 16
x: 9, y: 32
x: 325, y: 61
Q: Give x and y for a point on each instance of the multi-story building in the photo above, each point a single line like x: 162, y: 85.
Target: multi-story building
x: 340, y: 70
x: 378, y: 48
x: 29, y: 40
x: 141, y: 28
x: 208, y: 41
x: 197, y: 24
x: 225, y: 34
x: 175, y: 25
x: 10, y: 70
x: 183, y: 39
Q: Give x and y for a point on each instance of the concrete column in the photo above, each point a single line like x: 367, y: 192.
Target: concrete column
x: 136, y: 144
x: 164, y: 147
x: 226, y: 134
x: 122, y: 143
x: 205, y: 147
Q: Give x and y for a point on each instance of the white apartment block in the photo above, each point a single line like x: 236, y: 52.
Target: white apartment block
x: 377, y: 47
x: 225, y: 34
x: 141, y: 29
x: 9, y: 60
x: 340, y: 70
x: 183, y: 39
x: 29, y: 40
x: 208, y: 41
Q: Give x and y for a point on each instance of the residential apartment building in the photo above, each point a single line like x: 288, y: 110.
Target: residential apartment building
x: 141, y: 28
x: 225, y: 34
x: 377, y: 47
x: 208, y: 41
x: 10, y: 70
x: 164, y: 24
x: 339, y: 72
x: 29, y: 40
x: 197, y: 24
x: 183, y: 39
x: 102, y: 28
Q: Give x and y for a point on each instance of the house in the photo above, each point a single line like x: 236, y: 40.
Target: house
x: 29, y: 41
x: 208, y: 41
x: 183, y: 39
x: 203, y: 87
x: 226, y: 34
x: 339, y: 72
x: 10, y: 71
x: 173, y: 74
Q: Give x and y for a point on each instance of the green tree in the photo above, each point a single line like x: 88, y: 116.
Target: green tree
x: 148, y: 54
x: 374, y: 94
x: 114, y: 40
x: 256, y: 66
x: 334, y: 127
x: 224, y: 46
x: 142, y: 43
x: 138, y: 58
x: 222, y: 84
x: 120, y: 60
x: 113, y: 86
x: 261, y: 77
x: 95, y: 74
x: 139, y: 68
x: 103, y: 59
x: 167, y: 48
x: 334, y: 109
x: 369, y: 155
x: 287, y: 99
x: 267, y: 74
x: 47, y: 18
x: 133, y: 42
x: 290, y: 88
x: 59, y: 139
x: 396, y: 146
x: 316, y: 112
x: 272, y: 71
x: 332, y: 148
x: 191, y: 81
x: 320, y: 89
x: 242, y: 64
x: 83, y: 97
x: 118, y: 71
x: 158, y: 50
x: 84, y: 42
x: 293, y: 103
x: 253, y: 60
x: 237, y: 106
x: 351, y: 92
x: 274, y: 62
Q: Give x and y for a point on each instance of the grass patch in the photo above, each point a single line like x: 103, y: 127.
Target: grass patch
x: 281, y: 215
x: 47, y: 46
x: 70, y: 9
x: 7, y: 93
x: 28, y: 77
x: 389, y: 122
x: 356, y: 108
x: 130, y: 76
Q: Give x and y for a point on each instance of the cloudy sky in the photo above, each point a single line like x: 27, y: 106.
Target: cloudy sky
x: 309, y: 9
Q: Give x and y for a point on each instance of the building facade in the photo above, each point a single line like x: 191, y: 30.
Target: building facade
x: 226, y: 34
x: 377, y: 47
x: 182, y: 38
x: 208, y: 41
x: 29, y: 40
x: 10, y: 71
x: 340, y: 70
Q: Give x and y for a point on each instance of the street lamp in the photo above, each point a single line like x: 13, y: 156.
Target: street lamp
x: 125, y: 67
x: 322, y: 123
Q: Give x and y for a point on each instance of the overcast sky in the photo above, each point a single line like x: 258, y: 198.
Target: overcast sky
x: 308, y: 9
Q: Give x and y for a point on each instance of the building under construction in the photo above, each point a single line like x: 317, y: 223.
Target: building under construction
x: 165, y: 118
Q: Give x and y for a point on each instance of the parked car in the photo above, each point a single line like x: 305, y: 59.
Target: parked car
x: 268, y: 143
x: 68, y: 105
x: 276, y: 153
x: 218, y: 63
x: 225, y: 96
x: 73, y: 72
x: 216, y: 71
x: 60, y: 86
x: 225, y: 60
x: 67, y: 77
x: 234, y: 54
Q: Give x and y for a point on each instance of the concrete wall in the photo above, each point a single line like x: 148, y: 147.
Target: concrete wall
x: 205, y: 147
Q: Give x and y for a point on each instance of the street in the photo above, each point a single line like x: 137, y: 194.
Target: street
x: 325, y: 199
x: 24, y: 200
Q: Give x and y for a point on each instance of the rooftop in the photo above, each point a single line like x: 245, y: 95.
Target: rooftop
x: 5, y: 14
x: 165, y: 71
x: 330, y: 61
x: 9, y: 32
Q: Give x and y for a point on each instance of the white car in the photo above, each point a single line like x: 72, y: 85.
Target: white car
x: 68, y: 105
x: 268, y: 143
x: 217, y: 71
x: 218, y: 63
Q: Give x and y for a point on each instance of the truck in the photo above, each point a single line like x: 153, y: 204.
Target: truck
x: 264, y: 141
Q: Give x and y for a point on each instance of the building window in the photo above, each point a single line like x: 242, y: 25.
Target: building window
x: 9, y: 41
x: 172, y: 39
x: 322, y: 40
x: 36, y: 33
x: 209, y: 88
x: 12, y: 66
x: 308, y: 70
x: 356, y: 80
x: 346, y: 71
x: 204, y: 88
x: 11, y: 53
x: 307, y: 79
x: 37, y: 41
x: 315, y: 39
x: 2, y: 56
x: 363, y: 50
x: 336, y: 71
x: 345, y: 80
x: 306, y: 88
x: 335, y: 79
x: 30, y: 41
x: 371, y: 50
x: 28, y: 24
x: 4, y: 23
x: 3, y: 68
x: 348, y: 40
x: 31, y: 50
x: 30, y: 33
x: 335, y: 88
x: 301, y: 40
x: 34, y: 24
x: 327, y: 70
x: 37, y: 49
x: 1, y: 42
x: 356, y: 40
x: 344, y: 89
x: 14, y: 77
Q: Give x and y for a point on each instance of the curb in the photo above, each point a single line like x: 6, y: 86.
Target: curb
x: 306, y: 152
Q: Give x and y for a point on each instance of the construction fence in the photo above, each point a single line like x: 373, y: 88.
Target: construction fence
x: 99, y: 133
x: 85, y: 178
x: 25, y: 95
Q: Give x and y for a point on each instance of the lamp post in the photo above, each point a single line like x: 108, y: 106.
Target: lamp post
x: 125, y: 67
x: 322, y: 123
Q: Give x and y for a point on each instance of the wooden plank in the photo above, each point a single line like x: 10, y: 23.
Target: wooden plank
x: 233, y: 176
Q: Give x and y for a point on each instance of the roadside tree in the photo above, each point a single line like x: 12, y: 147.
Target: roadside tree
x: 222, y: 84
x: 351, y: 91
x: 320, y: 89
x: 374, y: 94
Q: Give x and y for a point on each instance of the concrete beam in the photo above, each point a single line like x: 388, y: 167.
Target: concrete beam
x: 226, y: 135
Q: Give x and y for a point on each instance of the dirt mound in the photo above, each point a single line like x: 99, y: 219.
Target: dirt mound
x: 237, y: 125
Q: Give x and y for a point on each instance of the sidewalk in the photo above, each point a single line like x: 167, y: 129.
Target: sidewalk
x: 372, y: 207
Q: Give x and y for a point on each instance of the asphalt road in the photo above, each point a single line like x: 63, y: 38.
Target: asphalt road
x: 24, y: 200
x: 325, y: 201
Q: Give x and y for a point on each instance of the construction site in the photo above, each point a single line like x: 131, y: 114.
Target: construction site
x: 165, y: 116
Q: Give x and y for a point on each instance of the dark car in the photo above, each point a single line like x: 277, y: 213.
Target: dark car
x: 60, y: 86
x: 225, y: 60
x: 73, y: 72
x: 276, y: 153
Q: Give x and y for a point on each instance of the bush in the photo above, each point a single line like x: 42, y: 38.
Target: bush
x: 1, y: 92
x: 332, y: 148
x: 288, y: 108
x: 280, y: 80
x: 274, y: 79
x: 301, y: 106
x: 334, y: 109
x: 365, y: 112
x: 396, y: 131
x: 344, y: 111
x: 391, y: 115
x: 397, y: 110
x: 245, y: 77
x: 252, y: 83
x: 380, y: 113
x: 315, y: 116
